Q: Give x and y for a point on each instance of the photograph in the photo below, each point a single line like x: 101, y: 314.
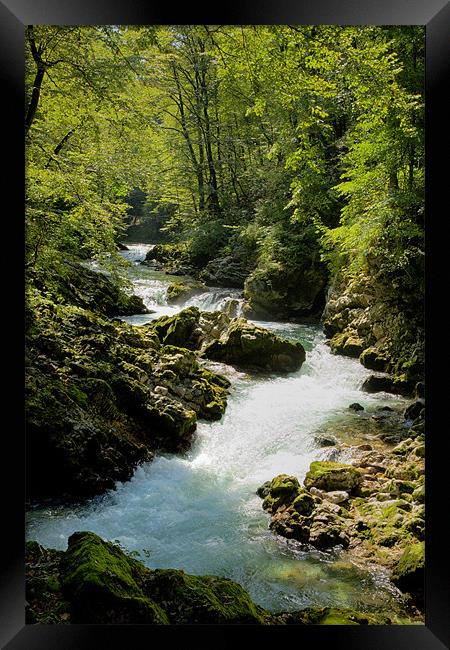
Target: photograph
x: 224, y: 303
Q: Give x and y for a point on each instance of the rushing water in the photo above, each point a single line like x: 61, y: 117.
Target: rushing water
x: 199, y: 512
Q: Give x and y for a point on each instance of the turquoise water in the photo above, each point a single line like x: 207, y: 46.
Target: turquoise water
x: 199, y: 512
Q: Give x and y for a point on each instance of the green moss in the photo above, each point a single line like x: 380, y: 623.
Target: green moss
x: 329, y: 476
x: 104, y: 585
x: 283, y: 489
x: 334, y: 616
x: 304, y: 504
x: 249, y: 346
x: 203, y: 599
x: 178, y: 330
x: 419, y: 494
x: 408, y: 574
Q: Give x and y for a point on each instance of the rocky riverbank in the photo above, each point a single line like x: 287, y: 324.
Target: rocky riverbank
x: 373, y: 507
x: 365, y: 317
x: 104, y: 395
x: 366, y: 320
x: 94, y: 581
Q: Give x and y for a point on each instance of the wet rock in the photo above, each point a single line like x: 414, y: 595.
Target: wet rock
x: 326, y: 441
x: 179, y: 292
x: 378, y: 383
x: 94, y: 290
x: 179, y: 330
x: 414, y: 410
x: 264, y: 489
x: 104, y: 585
x: 276, y: 291
x: 373, y: 359
x: 347, y: 344
x: 283, y: 489
x: 408, y: 574
x: 330, y: 476
x: 249, y: 346
x: 227, y: 271
x: 386, y: 383
x: 356, y: 407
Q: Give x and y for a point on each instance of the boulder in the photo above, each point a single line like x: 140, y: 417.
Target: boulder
x: 225, y: 271
x: 356, y: 407
x: 179, y: 292
x: 95, y: 290
x: 105, y: 585
x: 325, y: 441
x: 414, y: 410
x: 248, y: 346
x: 276, y: 291
x: 283, y: 489
x: 378, y: 383
x: 408, y: 574
x: 373, y: 359
x: 179, y: 330
x: 330, y: 476
x: 347, y: 344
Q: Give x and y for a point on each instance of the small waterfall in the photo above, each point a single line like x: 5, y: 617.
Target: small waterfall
x: 136, y: 252
x: 218, y: 299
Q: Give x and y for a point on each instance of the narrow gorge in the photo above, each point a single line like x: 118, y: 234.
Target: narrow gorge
x: 225, y: 389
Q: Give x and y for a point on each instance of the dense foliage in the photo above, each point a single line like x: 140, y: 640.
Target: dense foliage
x: 289, y: 147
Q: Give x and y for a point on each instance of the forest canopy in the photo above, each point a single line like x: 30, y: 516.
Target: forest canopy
x: 271, y: 143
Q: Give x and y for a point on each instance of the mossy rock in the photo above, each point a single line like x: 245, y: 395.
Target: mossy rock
x: 283, y: 489
x: 104, y: 585
x: 202, y: 599
x: 178, y: 330
x: 304, y: 503
x: 347, y: 344
x: 330, y: 476
x: 408, y: 575
x: 249, y: 346
x: 277, y: 290
x: 170, y: 423
x: 374, y: 359
x: 334, y: 616
x: 180, y: 291
x: 93, y: 290
x: 419, y: 494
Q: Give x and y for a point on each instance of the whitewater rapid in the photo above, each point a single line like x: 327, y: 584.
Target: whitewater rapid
x: 200, y: 512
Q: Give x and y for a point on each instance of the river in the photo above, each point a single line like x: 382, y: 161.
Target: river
x: 199, y: 512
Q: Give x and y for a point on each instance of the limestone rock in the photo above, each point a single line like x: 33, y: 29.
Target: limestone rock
x: 330, y: 476
x: 249, y: 346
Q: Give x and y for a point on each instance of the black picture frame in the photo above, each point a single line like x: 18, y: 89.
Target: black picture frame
x: 435, y: 15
